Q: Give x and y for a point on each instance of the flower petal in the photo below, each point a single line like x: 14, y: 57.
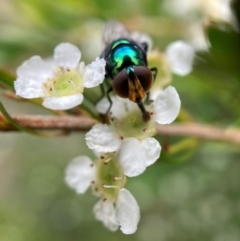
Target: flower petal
x: 104, y: 211
x: 67, y: 55
x: 180, y: 56
x: 94, y: 73
x: 103, y: 138
x: 28, y: 88
x: 132, y: 157
x: 35, y: 69
x: 128, y: 213
x: 120, y: 107
x: 167, y: 106
x: 79, y: 173
x: 152, y: 148
x: 63, y: 103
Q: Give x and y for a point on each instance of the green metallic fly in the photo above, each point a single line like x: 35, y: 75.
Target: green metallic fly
x: 126, y: 65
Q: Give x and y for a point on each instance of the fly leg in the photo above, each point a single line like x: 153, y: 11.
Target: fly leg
x: 109, y: 99
x: 145, y: 114
x: 104, y: 116
x: 154, y: 71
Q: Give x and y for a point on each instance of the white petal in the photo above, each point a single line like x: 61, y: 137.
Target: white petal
x: 103, y: 138
x: 80, y: 173
x: 167, y: 106
x: 28, y: 88
x: 104, y: 211
x: 63, y: 103
x: 120, y: 106
x: 180, y: 56
x: 128, y: 213
x: 152, y: 148
x: 67, y: 55
x: 94, y: 73
x: 35, y: 69
x: 132, y: 157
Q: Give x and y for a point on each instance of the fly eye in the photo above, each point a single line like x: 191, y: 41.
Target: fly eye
x: 145, y: 77
x: 120, y: 84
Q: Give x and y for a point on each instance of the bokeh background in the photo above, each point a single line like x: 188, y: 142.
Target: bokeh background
x: 192, y: 192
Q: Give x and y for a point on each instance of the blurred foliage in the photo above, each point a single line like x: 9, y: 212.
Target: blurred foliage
x: 191, y: 193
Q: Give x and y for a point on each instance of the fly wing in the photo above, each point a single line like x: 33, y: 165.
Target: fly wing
x: 114, y: 30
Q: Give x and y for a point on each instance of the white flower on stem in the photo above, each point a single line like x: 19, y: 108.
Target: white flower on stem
x: 61, y: 82
x: 117, y: 207
x: 180, y: 56
x: 128, y: 135
x: 133, y: 155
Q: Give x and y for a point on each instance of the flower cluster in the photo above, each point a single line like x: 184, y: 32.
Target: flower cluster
x: 125, y: 147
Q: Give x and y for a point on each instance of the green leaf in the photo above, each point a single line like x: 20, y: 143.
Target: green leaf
x: 7, y: 78
x: 225, y: 48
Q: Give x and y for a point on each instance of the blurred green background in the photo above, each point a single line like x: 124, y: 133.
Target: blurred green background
x: 191, y: 194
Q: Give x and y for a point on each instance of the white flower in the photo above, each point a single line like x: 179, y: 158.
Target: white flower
x: 61, y: 82
x: 133, y: 155
x: 128, y: 135
x: 117, y: 207
x: 180, y: 56
x: 165, y: 107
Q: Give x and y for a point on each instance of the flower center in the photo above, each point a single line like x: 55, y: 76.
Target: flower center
x: 64, y: 82
x: 132, y: 125
x: 109, y: 176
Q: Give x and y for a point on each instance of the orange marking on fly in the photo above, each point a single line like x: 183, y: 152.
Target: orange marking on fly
x: 132, y: 92
x: 139, y: 89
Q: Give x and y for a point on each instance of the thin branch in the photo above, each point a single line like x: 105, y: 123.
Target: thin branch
x: 73, y: 123
x: 48, y: 123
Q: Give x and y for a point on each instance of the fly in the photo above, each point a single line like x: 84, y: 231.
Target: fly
x: 126, y: 66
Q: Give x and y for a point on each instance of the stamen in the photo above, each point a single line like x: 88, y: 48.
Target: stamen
x: 92, y: 182
x: 71, y: 82
x: 68, y: 69
x: 121, y: 137
x: 107, y: 160
x: 104, y: 200
x: 52, y: 86
x: 91, y: 165
x: 151, y: 113
x: 151, y: 101
x: 109, y: 186
x: 102, y: 157
x: 117, y: 178
x: 145, y: 129
x: 96, y: 189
